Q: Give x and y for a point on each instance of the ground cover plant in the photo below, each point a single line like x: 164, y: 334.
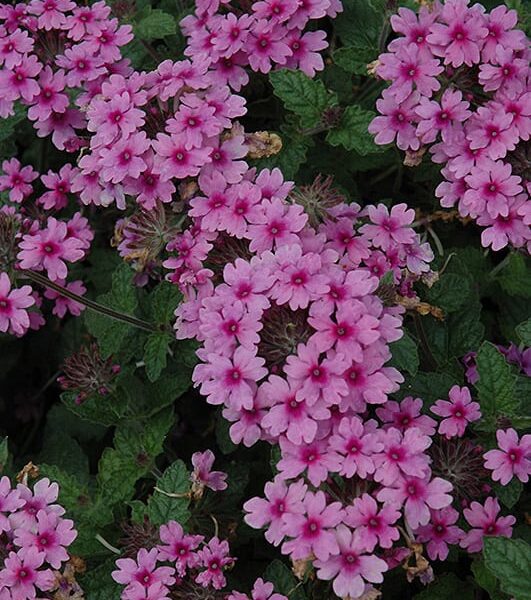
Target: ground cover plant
x: 264, y: 300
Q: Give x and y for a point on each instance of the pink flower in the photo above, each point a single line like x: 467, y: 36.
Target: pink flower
x: 485, y: 522
x: 172, y: 159
x: 62, y: 303
x: 281, y: 500
x: 406, y: 414
x: 396, y: 120
x: 231, y: 380
x: 512, y: 228
x: 373, y: 524
x: 355, y: 448
x: 352, y: 567
x: 224, y: 157
x: 266, y: 46
x: 500, y: 23
x: 124, y: 158
x: 512, y: 459
x: 213, y: 557
x: 143, y: 572
x: 389, y: 227
x: 510, y: 71
x: 22, y: 576
x: 178, y: 547
x: 203, y: 474
x: 49, y: 249
x: 51, y: 536
x: 109, y: 119
x: 80, y: 65
x: 13, y: 304
x: 305, y: 51
x: 193, y: 122
x: 441, y: 117
x: 457, y: 412
x: 10, y: 501
x: 247, y: 422
x: 17, y: 180
x: 440, y: 532
x: 50, y: 97
x: 418, y: 496
x: 492, y: 129
x: 459, y: 37
x: 59, y: 185
x: 313, y: 458
x: 247, y: 281
x: 409, y: 70
x: 312, y: 531
x: 42, y: 497
x: 19, y: 82
x: 51, y: 13
x: 317, y: 378
x: 414, y: 27
x: 13, y: 48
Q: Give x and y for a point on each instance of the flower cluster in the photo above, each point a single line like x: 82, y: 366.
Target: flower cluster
x: 460, y: 86
x: 34, y: 538
x: 50, y: 49
x: 36, y: 237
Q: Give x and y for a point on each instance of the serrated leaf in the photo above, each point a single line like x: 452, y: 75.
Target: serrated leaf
x: 163, y: 301
x: 485, y: 579
x: 428, y: 386
x: 450, y: 292
x: 515, y: 277
x: 405, y: 354
x: 352, y: 132
x: 361, y: 22
x: 509, y: 494
x: 447, y: 587
x: 496, y: 383
x: 510, y: 561
x: 306, y: 97
x: 169, y: 501
x: 524, y: 332
x: 284, y: 581
x: 355, y: 58
x: 156, y: 353
x: 156, y: 25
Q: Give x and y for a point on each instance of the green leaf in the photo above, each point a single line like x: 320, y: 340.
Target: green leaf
x: 524, y: 332
x: 509, y: 494
x: 226, y: 445
x: 405, y: 354
x: 355, y: 58
x: 485, y: 579
x: 110, y: 333
x: 155, y: 353
x: 450, y: 292
x: 361, y: 22
x: 156, y: 25
x: 352, y: 132
x: 510, y: 561
x: 496, y: 383
x: 447, y: 587
x: 306, y: 97
x: 515, y: 277
x: 4, y: 454
x: 428, y: 386
x: 163, y: 505
x: 163, y: 301
x: 284, y: 580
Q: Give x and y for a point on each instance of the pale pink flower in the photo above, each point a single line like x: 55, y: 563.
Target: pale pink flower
x: 374, y: 524
x: 203, y: 474
x: 178, y: 547
x: 513, y: 458
x: 485, y: 522
x: 457, y: 412
x: 13, y: 304
x: 440, y: 532
x: 213, y: 557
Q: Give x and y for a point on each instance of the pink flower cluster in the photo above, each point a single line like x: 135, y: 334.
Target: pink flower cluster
x: 35, y: 236
x: 49, y: 48
x: 34, y: 538
x: 460, y: 86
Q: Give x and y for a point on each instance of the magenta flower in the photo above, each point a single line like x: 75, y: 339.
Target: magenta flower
x: 501, y: 23
x: 492, y: 129
x: 313, y: 530
x: 51, y: 536
x: 409, y: 70
x: 124, y: 158
x: 459, y: 37
x: 355, y: 448
x: 213, y: 558
x: 438, y: 117
x: 457, y: 412
x: 485, y: 522
x: 22, y: 574
x: 193, y: 122
x: 352, y: 567
x: 42, y: 497
x: 417, y: 496
x: 440, y: 532
x: 174, y: 160
x: 406, y: 414
x: 20, y: 82
x: 266, y: 46
x: 17, y: 180
x: 317, y: 378
x: 51, y: 13
x: 10, y: 501
x: 280, y: 500
x: 203, y: 474
x: 305, y: 49
x: 231, y: 380
x: 513, y: 459
x: 109, y: 119
x: 143, y: 572
x: 512, y: 228
x: 49, y: 249
x: 508, y: 72
x: 247, y: 282
x: 403, y: 454
x: 374, y: 525
x: 178, y: 547
x: 413, y: 27
x: 389, y: 227
x: 313, y: 458
x: 396, y: 120
x: 13, y: 304
x: 59, y: 185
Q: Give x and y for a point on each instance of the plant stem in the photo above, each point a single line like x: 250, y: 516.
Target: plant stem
x: 95, y: 306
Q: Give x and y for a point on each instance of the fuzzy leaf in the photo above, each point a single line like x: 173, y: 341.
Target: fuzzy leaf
x: 509, y: 494
x: 510, y: 561
x: 306, y: 97
x: 156, y: 25
x: 450, y: 292
x: 485, y: 579
x: 524, y: 332
x: 162, y: 507
x: 515, y: 277
x: 355, y: 58
x: 405, y: 354
x: 284, y: 580
x: 155, y: 353
x: 352, y: 132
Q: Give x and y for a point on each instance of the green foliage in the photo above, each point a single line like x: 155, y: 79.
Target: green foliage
x: 447, y: 587
x: 352, y: 134
x: 284, y: 580
x: 156, y: 352
x: 307, y: 98
x: 509, y: 494
x: 405, y: 354
x: 515, y: 277
x: 4, y: 454
x: 355, y: 58
x: 156, y: 25
x: 510, y: 561
x: 486, y: 580
x: 524, y: 332
x: 170, y: 498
